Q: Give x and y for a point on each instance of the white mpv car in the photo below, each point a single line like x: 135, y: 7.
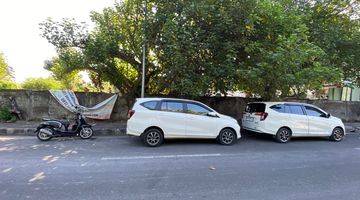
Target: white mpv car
x: 288, y: 119
x: 156, y: 119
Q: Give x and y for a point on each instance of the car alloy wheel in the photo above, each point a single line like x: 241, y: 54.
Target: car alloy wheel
x: 153, y: 137
x: 337, y: 135
x: 283, y: 135
x: 227, y: 137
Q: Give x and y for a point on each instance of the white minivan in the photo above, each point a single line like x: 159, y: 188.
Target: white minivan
x: 289, y: 119
x: 156, y: 119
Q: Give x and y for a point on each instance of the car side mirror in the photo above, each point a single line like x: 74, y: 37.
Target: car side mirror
x: 327, y: 115
x: 212, y: 114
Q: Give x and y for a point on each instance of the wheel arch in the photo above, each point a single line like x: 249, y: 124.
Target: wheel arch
x: 339, y: 127
x: 228, y: 127
x: 153, y: 127
x: 291, y: 132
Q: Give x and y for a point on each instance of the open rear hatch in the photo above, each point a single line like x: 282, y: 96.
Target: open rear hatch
x: 254, y: 112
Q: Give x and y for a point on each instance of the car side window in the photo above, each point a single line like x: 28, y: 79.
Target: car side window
x: 172, y: 106
x: 311, y: 111
x: 150, y: 105
x: 196, y: 109
x: 278, y: 108
x: 294, y: 109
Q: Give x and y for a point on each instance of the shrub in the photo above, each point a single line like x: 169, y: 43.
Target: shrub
x: 5, y: 114
x: 42, y: 84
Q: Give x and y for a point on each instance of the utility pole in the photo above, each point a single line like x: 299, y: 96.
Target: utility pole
x: 144, y: 53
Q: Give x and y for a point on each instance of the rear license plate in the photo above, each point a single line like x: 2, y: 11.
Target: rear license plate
x: 249, y: 119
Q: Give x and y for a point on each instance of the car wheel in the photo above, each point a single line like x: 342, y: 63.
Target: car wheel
x: 153, y: 137
x: 227, y: 137
x: 337, y: 134
x: 283, y: 135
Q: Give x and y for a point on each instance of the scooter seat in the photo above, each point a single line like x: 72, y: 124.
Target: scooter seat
x: 64, y: 122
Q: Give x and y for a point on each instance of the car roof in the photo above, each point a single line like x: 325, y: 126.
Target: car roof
x: 283, y: 102
x: 160, y: 99
x: 142, y: 100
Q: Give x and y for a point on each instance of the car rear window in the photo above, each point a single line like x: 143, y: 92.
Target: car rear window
x: 255, y: 107
x: 150, y: 105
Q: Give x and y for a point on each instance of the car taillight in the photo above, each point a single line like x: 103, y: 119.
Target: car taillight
x: 130, y: 113
x: 262, y: 115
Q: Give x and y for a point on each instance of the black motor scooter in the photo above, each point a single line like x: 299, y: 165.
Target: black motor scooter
x: 50, y: 128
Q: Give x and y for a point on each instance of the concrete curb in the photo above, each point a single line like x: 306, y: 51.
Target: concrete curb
x: 30, y: 131
x: 112, y: 131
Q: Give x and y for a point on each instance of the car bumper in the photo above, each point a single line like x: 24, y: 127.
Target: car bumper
x: 133, y: 132
x: 258, y: 130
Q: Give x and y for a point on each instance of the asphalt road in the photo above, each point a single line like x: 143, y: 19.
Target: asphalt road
x: 122, y: 168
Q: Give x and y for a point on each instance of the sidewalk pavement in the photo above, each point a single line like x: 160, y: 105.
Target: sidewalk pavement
x: 28, y: 128
x: 102, y: 128
x: 352, y: 127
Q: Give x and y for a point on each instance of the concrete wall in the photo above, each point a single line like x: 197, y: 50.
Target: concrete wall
x: 38, y: 104
x: 35, y: 105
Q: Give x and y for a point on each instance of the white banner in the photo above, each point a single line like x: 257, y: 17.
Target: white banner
x: 68, y: 99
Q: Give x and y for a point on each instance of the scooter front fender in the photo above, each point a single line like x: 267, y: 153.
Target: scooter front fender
x: 39, y: 127
x: 86, y: 125
x: 47, y: 131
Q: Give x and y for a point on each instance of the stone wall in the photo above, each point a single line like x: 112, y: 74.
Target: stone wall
x: 38, y: 104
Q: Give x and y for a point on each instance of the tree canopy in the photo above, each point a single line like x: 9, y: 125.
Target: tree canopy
x: 266, y: 48
x: 42, y: 84
x: 6, y: 75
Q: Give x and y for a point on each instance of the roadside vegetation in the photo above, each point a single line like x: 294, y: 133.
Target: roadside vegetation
x: 6, y: 75
x: 266, y: 48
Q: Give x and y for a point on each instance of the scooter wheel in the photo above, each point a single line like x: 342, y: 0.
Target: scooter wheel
x: 86, y: 133
x: 43, y: 135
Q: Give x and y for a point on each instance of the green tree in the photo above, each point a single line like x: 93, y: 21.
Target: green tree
x: 6, y: 75
x: 334, y: 26
x: 71, y: 80
x: 112, y: 51
x: 201, y: 47
x: 281, y: 59
x: 42, y: 84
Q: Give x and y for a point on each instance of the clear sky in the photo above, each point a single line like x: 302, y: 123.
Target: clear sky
x: 20, y: 41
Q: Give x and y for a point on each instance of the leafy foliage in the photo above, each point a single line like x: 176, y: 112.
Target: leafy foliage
x: 334, y: 26
x: 5, y: 114
x: 202, y: 47
x: 112, y: 51
x: 42, y: 84
x: 6, y: 75
x: 69, y: 79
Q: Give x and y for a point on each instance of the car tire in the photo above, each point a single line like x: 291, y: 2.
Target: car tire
x: 153, y: 137
x: 227, y: 136
x: 337, y: 134
x: 283, y: 135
